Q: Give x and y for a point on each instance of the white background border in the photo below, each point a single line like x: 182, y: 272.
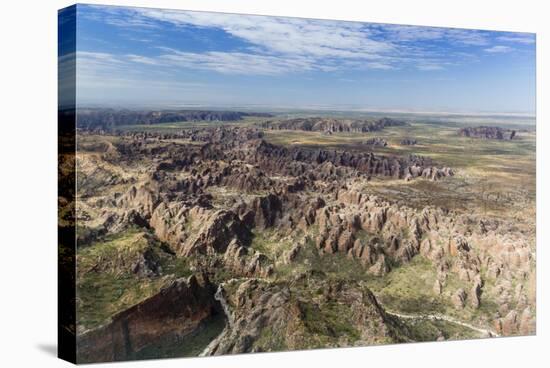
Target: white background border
x: 28, y: 180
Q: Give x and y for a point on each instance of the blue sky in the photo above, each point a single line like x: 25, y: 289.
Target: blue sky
x: 141, y: 56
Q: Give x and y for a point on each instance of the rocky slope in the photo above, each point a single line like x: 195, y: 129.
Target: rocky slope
x: 265, y: 316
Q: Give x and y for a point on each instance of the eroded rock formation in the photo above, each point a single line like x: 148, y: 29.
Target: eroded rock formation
x: 488, y: 132
x: 332, y: 125
x: 228, y: 204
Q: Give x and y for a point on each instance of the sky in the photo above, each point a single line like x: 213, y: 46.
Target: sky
x: 156, y: 57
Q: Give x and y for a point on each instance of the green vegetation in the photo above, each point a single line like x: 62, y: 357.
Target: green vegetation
x: 102, y: 295
x: 328, y: 322
x: 271, y: 339
x: 430, y: 330
x: 102, y: 254
x: 105, y: 287
x: 177, y: 267
x: 186, y: 346
x: 334, y: 266
x: 409, y: 288
x: 490, y: 174
x: 269, y: 242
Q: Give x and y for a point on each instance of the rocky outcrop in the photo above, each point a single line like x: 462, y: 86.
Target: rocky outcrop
x: 376, y: 142
x: 459, y: 299
x: 366, y: 229
x: 475, y: 293
x: 488, y: 132
x: 219, y: 161
x: 290, y: 255
x: 105, y: 119
x: 297, y: 161
x: 247, y: 179
x: 207, y: 191
x: 514, y: 323
x: 408, y: 142
x: 377, y: 233
x: 140, y: 254
x: 264, y: 317
x: 243, y: 261
x: 143, y: 200
x: 198, y: 230
x: 266, y: 210
x: 176, y: 311
x: 215, y: 232
x: 332, y: 125
x: 438, y: 287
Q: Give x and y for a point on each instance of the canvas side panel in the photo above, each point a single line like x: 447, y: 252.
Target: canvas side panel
x: 66, y: 183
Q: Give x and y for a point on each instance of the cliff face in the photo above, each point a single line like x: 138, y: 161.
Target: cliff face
x: 175, y: 312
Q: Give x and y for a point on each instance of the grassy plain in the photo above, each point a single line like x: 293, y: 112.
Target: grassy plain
x: 490, y: 175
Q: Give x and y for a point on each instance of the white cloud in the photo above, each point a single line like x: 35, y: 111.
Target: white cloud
x: 279, y: 45
x: 381, y: 66
x: 290, y: 44
x: 468, y: 37
x: 98, y: 57
x: 236, y: 62
x: 523, y: 38
x: 142, y: 59
x: 404, y: 33
x: 284, y: 35
x: 429, y: 66
x: 104, y: 64
x: 498, y: 49
x: 117, y: 77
